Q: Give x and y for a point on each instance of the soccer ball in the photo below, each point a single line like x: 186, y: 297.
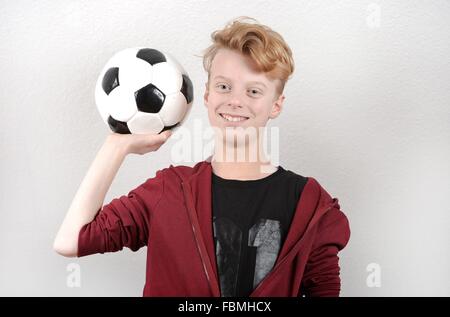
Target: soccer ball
x: 143, y: 90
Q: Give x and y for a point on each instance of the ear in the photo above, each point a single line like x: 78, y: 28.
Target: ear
x: 277, y: 107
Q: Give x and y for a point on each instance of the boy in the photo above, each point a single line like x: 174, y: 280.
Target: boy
x: 222, y: 227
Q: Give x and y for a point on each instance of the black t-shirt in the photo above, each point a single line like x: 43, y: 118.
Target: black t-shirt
x: 250, y: 223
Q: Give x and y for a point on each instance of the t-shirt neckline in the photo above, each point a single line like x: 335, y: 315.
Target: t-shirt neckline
x: 237, y: 182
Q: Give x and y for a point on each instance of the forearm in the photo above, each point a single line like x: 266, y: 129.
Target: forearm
x: 90, y: 195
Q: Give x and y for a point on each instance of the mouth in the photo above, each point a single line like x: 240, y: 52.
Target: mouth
x: 233, y: 118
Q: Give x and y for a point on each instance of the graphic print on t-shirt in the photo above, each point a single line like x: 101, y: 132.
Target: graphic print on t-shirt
x: 264, y: 242
x: 228, y: 239
x: 251, y: 220
x: 265, y: 238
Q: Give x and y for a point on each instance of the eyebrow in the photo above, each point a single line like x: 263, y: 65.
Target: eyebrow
x: 250, y: 82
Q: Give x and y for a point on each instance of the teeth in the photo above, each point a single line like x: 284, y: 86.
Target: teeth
x: 233, y: 119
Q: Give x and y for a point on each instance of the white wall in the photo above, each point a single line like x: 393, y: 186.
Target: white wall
x: 368, y: 110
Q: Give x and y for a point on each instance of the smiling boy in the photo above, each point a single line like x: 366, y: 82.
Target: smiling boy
x: 224, y: 227
x: 238, y: 95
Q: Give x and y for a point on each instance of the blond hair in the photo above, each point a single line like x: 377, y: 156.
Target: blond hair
x: 264, y: 46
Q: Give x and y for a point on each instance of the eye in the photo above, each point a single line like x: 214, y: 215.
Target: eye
x: 254, y: 91
x: 221, y: 85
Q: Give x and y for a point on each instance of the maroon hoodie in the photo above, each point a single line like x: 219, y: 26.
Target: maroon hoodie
x: 171, y: 215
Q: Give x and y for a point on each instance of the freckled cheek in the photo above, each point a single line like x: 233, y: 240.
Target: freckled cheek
x: 215, y: 99
x: 213, y: 104
x: 212, y: 115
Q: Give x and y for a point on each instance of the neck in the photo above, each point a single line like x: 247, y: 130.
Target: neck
x: 242, y: 170
x: 227, y: 163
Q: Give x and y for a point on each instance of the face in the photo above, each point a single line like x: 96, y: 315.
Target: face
x: 237, y: 95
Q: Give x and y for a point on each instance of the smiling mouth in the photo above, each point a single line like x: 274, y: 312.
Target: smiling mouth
x: 230, y: 118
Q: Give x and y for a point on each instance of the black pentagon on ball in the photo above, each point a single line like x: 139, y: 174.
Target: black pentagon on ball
x: 149, y: 99
x: 186, y: 89
x: 118, y: 126
x: 151, y: 56
x: 110, y: 80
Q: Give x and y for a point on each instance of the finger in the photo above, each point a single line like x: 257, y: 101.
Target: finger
x: 166, y: 134
x: 161, y: 137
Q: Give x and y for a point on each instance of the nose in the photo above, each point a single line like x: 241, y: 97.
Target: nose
x: 235, y: 100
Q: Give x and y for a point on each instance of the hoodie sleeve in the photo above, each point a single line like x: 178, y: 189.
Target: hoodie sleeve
x: 321, y: 276
x: 124, y: 222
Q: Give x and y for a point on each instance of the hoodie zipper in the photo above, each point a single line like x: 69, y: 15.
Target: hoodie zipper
x: 207, y: 267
